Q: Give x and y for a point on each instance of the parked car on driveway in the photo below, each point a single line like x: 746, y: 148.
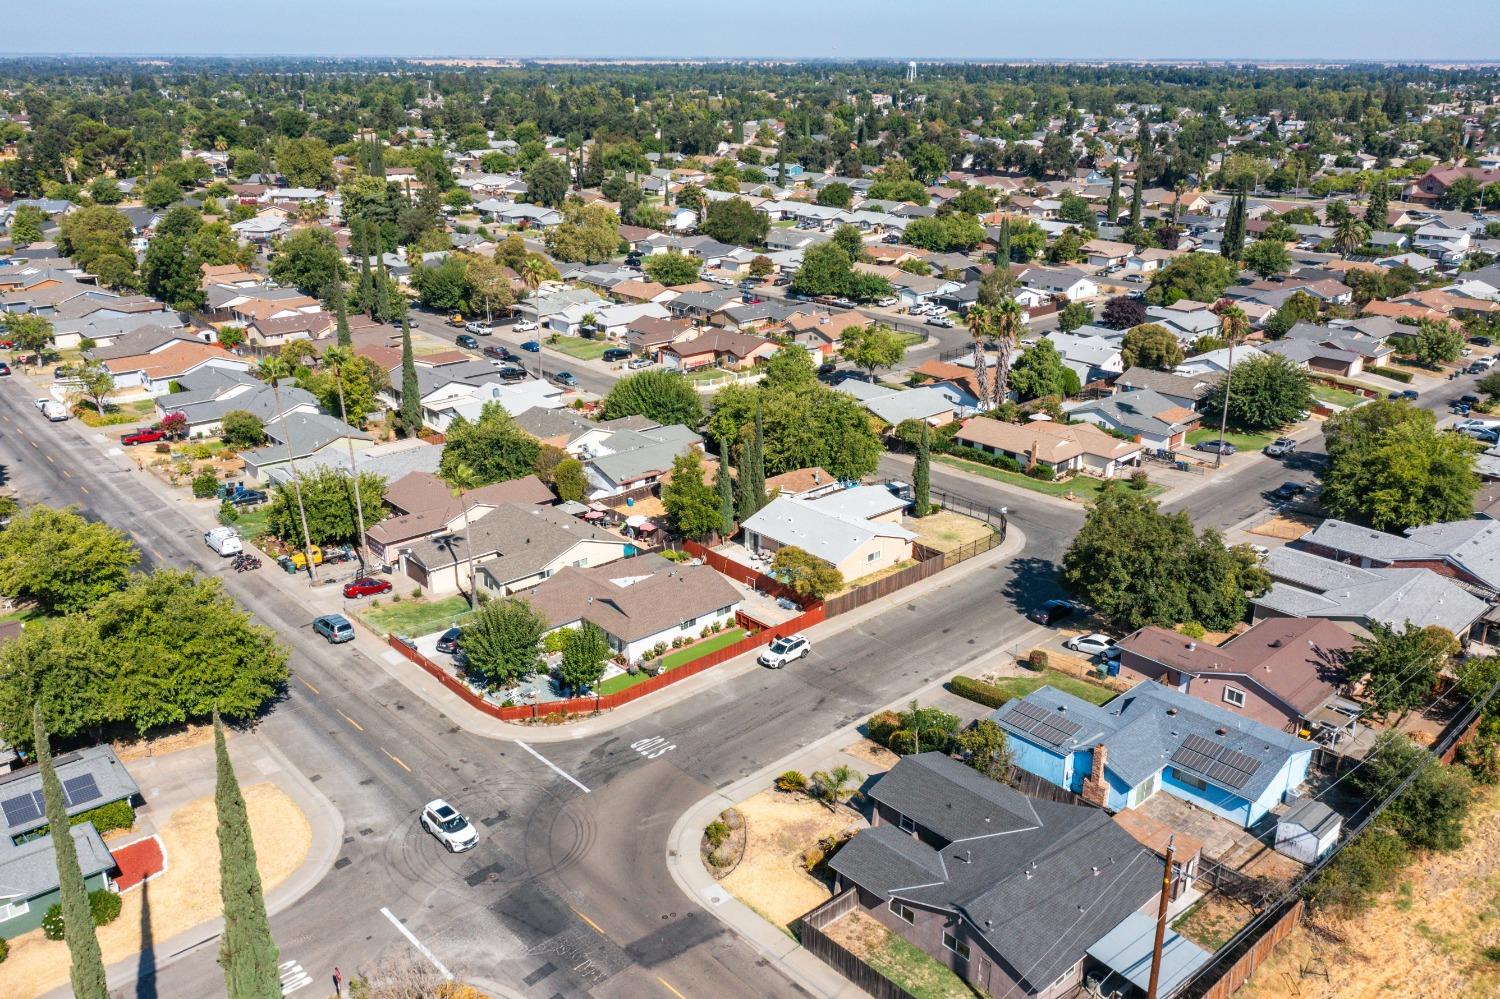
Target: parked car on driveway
x: 1280, y: 447
x: 614, y: 354
x: 150, y: 436
x: 1095, y: 644
x: 524, y: 326
x: 1215, y: 447
x: 448, y: 825
x: 1053, y: 611
x: 366, y: 586
x: 785, y: 650
x: 639, y: 362
x: 448, y: 640
x: 334, y: 627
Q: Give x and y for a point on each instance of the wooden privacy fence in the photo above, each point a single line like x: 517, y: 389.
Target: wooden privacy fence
x: 742, y: 573
x: 604, y: 702
x: 1238, y: 972
x: 838, y: 957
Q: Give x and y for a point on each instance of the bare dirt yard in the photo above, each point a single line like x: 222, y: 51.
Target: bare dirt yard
x: 183, y: 896
x: 1288, y: 527
x: 947, y: 531
x: 1437, y: 935
x: 877, y: 756
x: 780, y: 827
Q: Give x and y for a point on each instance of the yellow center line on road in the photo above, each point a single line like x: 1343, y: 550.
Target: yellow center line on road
x: 310, y: 687
x: 85, y: 489
x: 66, y: 474
x: 351, y: 721
x: 586, y: 919
x: 395, y: 759
x: 668, y: 987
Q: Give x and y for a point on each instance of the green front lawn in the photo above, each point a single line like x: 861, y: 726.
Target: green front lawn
x: 672, y: 660
x: 911, y: 339
x: 1020, y: 686
x: 577, y: 346
x: 1336, y: 396
x: 415, y: 617
x: 707, y: 374
x: 254, y: 523
x: 1084, y: 486
x: 1243, y: 441
x: 909, y: 967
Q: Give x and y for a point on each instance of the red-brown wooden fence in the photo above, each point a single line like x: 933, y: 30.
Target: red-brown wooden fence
x: 596, y: 702
x: 741, y: 573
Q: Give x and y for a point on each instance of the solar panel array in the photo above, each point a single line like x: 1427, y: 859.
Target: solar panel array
x: 1045, y: 726
x: 1220, y: 764
x: 24, y: 809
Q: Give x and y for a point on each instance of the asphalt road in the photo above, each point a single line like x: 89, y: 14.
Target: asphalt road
x: 545, y: 364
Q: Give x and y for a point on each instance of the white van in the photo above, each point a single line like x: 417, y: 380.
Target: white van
x: 224, y: 540
x: 54, y: 411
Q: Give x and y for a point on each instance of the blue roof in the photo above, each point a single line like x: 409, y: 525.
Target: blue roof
x: 1127, y: 948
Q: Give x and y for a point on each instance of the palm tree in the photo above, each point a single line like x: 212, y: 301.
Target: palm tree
x: 336, y: 358
x: 533, y: 271
x: 1233, y: 327
x: 272, y: 369
x: 981, y: 321
x: 1009, y: 321
x: 461, y: 479
x: 1350, y: 233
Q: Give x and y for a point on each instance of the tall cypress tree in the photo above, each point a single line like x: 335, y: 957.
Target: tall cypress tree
x: 726, y: 493
x: 342, y: 313
x: 747, y: 496
x: 1114, y: 194
x: 247, y: 953
x: 411, y: 393
x: 1135, y: 199
x: 1234, y: 227
x: 87, y: 972
x: 366, y: 284
x: 921, y: 476
x: 1375, y: 207
x: 757, y: 485
x: 380, y: 285
x: 1002, y: 245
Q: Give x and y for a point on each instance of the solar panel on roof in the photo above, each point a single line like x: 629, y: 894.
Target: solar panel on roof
x: 80, y: 790
x: 1220, y: 764
x: 20, y: 810
x: 1044, y: 725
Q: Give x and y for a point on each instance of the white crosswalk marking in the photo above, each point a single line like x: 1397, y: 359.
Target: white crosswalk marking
x: 293, y: 977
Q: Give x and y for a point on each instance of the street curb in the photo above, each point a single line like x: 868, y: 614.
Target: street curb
x: 800, y: 965
x: 474, y: 722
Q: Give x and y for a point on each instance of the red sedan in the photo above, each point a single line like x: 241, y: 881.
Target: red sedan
x: 366, y: 587
x: 143, y: 437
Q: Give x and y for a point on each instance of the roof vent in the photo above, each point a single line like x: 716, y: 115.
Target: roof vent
x: 1062, y: 708
x: 1221, y: 731
x: 1192, y: 646
x: 1275, y: 643
x: 1172, y: 712
x: 1096, y: 872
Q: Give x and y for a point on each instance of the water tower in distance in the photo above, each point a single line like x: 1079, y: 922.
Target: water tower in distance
x: 911, y: 72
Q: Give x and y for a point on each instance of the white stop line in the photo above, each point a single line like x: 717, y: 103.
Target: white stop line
x: 293, y: 977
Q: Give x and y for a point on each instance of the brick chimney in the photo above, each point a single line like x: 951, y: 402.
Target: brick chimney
x: 1095, y: 787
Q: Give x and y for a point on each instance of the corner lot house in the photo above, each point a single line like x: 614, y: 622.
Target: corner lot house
x: 1064, y: 448
x: 858, y: 531
x: 1147, y: 416
x: 637, y: 603
x: 1010, y: 892
x: 1153, y: 738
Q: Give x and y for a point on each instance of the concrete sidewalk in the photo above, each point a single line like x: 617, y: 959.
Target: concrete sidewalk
x: 172, y: 780
x: 427, y: 687
x: 770, y: 942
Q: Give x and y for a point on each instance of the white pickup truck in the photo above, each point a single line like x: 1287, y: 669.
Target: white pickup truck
x: 224, y: 540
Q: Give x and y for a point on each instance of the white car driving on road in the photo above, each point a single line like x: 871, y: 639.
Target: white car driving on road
x: 785, y: 650
x: 449, y: 826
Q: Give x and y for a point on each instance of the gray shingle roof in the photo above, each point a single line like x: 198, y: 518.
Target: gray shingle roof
x: 1309, y: 586
x: 511, y: 543
x: 30, y: 870
x: 99, y: 762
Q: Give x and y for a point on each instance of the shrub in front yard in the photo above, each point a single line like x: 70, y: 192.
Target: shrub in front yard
x: 105, y: 906
x: 52, y: 922
x: 792, y: 782
x: 1139, y: 480
x: 716, y: 832
x: 881, y: 727
x: 205, y: 484
x: 1042, y: 473
x: 1037, y: 660
x: 978, y: 691
x: 107, y: 818
x: 985, y: 458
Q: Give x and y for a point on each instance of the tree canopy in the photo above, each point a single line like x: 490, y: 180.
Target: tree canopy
x: 1151, y: 345
x: 328, y: 499
x: 664, y: 396
x: 1266, y: 393
x: 805, y: 426
x: 491, y: 448
x: 61, y: 561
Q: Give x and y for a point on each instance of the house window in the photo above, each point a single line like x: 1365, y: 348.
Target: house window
x: 907, y: 823
x: 1196, y: 783
x: 1234, y: 697
x: 872, y: 556
x: 11, y: 910
x: 956, y: 945
x: 688, y: 623
x: 903, y: 911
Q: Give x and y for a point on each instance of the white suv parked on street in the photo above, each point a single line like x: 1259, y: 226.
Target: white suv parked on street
x: 785, y: 650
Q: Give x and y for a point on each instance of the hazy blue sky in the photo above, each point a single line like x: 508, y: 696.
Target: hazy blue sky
x: 954, y: 29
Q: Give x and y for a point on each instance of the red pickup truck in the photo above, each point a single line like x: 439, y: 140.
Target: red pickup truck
x: 150, y: 436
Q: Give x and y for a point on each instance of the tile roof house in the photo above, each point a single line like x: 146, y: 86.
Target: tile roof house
x: 718, y: 347
x: 1064, y: 448
x: 1147, y: 416
x: 637, y: 603
x: 854, y: 530
x: 515, y: 547
x: 803, y: 484
x: 1308, y: 585
x: 152, y: 372
x: 1154, y: 738
x: 1278, y: 673
x: 1010, y: 892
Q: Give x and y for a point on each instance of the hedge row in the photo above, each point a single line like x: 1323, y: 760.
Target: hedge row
x: 107, y: 818
x: 1389, y: 371
x: 987, y: 694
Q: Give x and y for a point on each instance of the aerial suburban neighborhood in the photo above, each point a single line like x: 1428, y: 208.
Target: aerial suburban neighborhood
x: 699, y: 515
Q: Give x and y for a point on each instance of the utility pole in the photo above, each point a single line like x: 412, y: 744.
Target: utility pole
x: 1161, y: 921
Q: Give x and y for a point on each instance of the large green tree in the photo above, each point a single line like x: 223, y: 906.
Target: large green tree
x: 585, y: 652
x: 588, y: 234
x: 61, y: 561
x: 1201, y: 277
x: 803, y: 427
x: 309, y: 260
x: 664, y: 396
x: 410, y: 415
x: 1040, y: 372
x: 871, y: 347
x: 86, y: 972
x: 692, y: 504
x: 503, y: 641
x: 247, y: 952
x: 546, y: 182
x: 1390, y: 467
x: 1151, y: 345
x: 1267, y: 258
x: 672, y: 269
x: 492, y: 448
x: 1269, y: 392
x: 734, y: 221
x: 328, y: 496
x: 306, y: 162
x: 1400, y: 666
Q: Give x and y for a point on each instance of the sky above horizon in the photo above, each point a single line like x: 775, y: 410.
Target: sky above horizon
x: 1379, y: 30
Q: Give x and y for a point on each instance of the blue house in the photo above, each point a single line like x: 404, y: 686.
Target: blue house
x: 1153, y: 738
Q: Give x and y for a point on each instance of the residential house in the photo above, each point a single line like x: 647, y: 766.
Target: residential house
x: 803, y: 484
x: 152, y: 372
x: 1067, y: 282
x: 1091, y: 357
x: 647, y: 335
x: 959, y: 381
x: 715, y: 347
x: 299, y: 436
x: 639, y: 603
x: 1214, y: 362
x: 1104, y: 253
x: 1308, y: 585
x: 1187, y: 391
x: 1012, y: 893
x: 1279, y: 673
x: 608, y: 320
x: 1330, y: 350
x: 858, y: 531
x: 513, y: 548
x: 424, y: 506
x: 628, y: 461
x: 467, y: 400
x: 1467, y: 551
x: 936, y: 405
x: 1144, y: 415
x: 1063, y: 448
x: 1155, y: 738
x: 204, y: 397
